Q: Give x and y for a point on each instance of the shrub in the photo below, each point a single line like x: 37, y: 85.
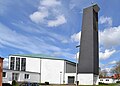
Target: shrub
x: 118, y: 82
x: 14, y: 83
x: 102, y: 83
x: 47, y: 83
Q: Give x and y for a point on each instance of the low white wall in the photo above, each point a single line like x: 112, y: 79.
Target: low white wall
x: 85, y: 79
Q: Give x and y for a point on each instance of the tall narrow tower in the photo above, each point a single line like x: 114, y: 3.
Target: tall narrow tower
x: 88, y: 66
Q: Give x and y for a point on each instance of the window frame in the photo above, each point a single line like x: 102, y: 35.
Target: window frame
x: 26, y: 76
x: 23, y: 64
x: 12, y: 63
x: 17, y: 63
x: 14, y: 75
x: 5, y: 74
x: 107, y: 79
x: 101, y: 79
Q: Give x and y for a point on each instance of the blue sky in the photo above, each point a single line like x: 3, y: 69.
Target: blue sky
x: 53, y: 27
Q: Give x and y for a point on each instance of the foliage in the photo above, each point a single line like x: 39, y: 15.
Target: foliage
x: 102, y: 73
x: 116, y: 70
x: 14, y: 83
x: 102, y: 83
x: 118, y: 82
x: 47, y: 83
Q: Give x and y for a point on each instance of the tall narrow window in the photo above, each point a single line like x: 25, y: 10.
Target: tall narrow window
x: 23, y: 64
x: 17, y: 63
x: 12, y: 63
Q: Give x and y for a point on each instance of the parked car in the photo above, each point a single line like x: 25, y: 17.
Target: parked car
x: 29, y: 84
x: 6, y: 84
x: 35, y: 84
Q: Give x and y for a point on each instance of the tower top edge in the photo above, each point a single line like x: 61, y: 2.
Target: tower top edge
x: 93, y: 6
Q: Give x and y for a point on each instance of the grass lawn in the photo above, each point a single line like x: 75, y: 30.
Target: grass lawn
x: 115, y: 84
x: 88, y: 85
x: 110, y: 84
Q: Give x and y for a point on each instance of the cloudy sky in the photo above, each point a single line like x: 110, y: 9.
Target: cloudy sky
x: 53, y: 27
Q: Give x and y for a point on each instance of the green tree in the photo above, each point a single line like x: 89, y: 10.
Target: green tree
x: 116, y: 69
x: 102, y: 73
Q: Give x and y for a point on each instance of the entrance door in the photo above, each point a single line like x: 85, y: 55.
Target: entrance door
x: 71, y: 79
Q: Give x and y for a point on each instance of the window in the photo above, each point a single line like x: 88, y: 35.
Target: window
x: 4, y: 74
x: 15, y: 76
x: 12, y: 61
x: 27, y: 76
x: 107, y: 79
x: 101, y: 79
x: 23, y: 64
x: 17, y: 63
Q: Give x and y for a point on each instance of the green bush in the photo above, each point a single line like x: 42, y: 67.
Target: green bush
x: 47, y: 83
x: 102, y: 83
x: 14, y: 83
x: 118, y: 82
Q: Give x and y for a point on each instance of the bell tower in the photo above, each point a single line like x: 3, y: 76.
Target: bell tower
x: 88, y: 66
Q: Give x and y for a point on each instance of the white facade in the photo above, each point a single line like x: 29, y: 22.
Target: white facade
x: 52, y: 70
x: 8, y: 76
x: 33, y: 64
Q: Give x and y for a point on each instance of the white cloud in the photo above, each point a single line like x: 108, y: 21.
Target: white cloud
x: 33, y: 44
x: 38, y: 16
x: 101, y: 65
x: 40, y: 30
x: 112, y: 62
x: 48, y: 12
x: 64, y: 54
x: 76, y: 37
x: 59, y: 21
x: 81, y: 4
x: 110, y: 37
x: 9, y: 37
x: 108, y: 70
x: 106, y: 54
x: 5, y: 63
x: 64, y: 41
x: 105, y: 20
x: 50, y: 3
